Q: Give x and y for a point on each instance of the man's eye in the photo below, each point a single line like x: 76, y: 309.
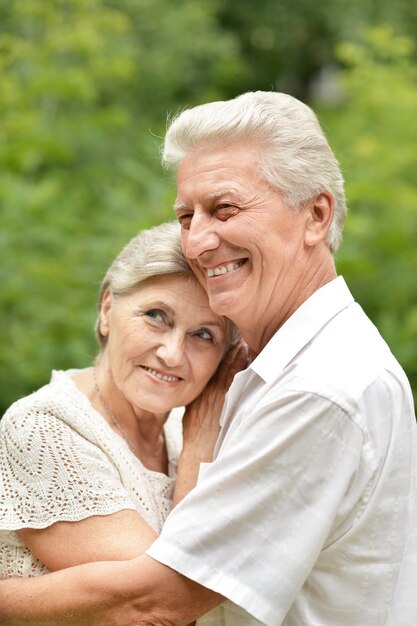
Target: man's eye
x: 185, y: 221
x: 156, y: 315
x: 224, y: 211
x: 205, y: 334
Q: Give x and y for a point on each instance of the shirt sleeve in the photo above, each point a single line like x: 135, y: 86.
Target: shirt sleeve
x: 254, y: 525
x: 50, y: 473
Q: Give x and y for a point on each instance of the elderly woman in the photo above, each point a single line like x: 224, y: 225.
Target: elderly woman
x: 89, y: 461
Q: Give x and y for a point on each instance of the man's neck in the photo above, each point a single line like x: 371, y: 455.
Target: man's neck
x: 258, y: 331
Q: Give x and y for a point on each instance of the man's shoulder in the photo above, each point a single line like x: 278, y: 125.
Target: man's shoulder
x: 349, y: 344
x: 343, y: 361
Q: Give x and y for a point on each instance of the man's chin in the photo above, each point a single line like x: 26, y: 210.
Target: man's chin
x: 222, y: 303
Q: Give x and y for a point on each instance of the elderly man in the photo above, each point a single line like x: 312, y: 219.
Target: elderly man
x: 306, y: 516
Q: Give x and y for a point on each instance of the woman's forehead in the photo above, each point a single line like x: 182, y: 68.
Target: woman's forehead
x: 181, y: 294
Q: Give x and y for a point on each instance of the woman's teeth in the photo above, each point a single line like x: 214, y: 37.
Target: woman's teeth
x: 168, y: 379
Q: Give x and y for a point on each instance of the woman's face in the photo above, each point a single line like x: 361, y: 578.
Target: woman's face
x: 163, y: 342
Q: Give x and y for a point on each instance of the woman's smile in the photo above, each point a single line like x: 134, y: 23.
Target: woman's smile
x: 161, y: 376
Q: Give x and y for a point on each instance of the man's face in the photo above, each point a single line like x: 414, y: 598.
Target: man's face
x: 243, y: 242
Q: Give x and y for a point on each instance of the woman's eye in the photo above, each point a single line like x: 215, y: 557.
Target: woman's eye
x: 156, y: 315
x: 205, y: 334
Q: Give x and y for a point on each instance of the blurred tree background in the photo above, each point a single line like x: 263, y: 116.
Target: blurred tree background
x: 85, y: 89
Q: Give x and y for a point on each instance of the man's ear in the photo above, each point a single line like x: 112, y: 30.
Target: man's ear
x: 320, y: 216
x: 105, y: 307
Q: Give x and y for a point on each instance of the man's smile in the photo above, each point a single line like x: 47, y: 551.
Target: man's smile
x: 218, y: 270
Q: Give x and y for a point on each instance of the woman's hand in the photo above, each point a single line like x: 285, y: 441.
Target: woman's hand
x: 201, y: 420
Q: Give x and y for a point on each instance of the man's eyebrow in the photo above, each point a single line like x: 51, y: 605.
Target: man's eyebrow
x: 213, y: 195
x: 178, y: 206
x: 220, y: 192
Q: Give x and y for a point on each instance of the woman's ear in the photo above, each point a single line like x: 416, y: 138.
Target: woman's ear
x: 321, y: 211
x: 105, y: 307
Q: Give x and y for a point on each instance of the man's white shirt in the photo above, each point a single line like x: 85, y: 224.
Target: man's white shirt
x: 307, y: 515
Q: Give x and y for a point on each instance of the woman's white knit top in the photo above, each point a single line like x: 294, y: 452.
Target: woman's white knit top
x: 61, y: 461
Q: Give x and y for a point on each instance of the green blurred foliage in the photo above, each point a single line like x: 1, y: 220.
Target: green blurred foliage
x: 286, y: 44
x: 374, y: 133
x: 85, y: 88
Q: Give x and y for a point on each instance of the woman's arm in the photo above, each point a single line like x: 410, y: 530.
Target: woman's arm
x: 139, y: 592
x: 122, y: 535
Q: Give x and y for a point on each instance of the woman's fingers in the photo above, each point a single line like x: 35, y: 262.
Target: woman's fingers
x: 235, y: 360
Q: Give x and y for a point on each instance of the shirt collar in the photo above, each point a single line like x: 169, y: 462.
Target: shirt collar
x: 301, y: 327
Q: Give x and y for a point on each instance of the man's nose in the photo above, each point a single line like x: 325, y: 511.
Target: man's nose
x: 171, y: 349
x: 200, y: 237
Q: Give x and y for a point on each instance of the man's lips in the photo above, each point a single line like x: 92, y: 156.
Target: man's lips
x: 218, y: 270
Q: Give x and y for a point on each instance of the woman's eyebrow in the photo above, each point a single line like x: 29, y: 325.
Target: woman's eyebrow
x: 216, y: 323
x: 158, y: 304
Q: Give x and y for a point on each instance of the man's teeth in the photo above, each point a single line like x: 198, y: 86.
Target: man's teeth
x: 222, y: 269
x: 169, y: 379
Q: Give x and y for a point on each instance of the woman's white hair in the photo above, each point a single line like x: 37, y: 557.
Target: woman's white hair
x: 153, y: 252
x: 286, y: 136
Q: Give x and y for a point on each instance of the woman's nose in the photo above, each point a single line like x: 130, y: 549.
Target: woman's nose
x: 171, y: 349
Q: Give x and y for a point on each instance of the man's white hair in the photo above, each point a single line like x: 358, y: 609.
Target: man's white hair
x: 291, y: 148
